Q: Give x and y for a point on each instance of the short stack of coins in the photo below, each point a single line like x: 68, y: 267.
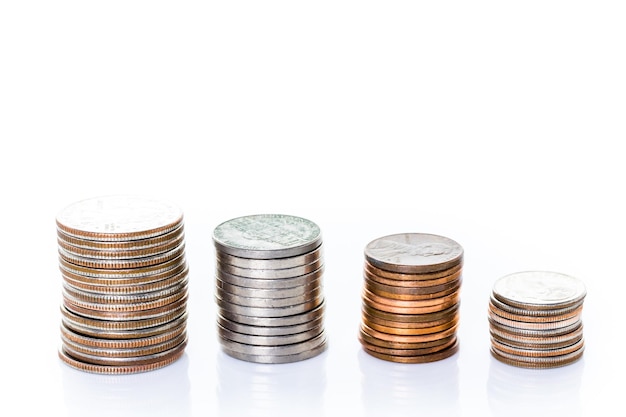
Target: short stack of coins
x: 535, y: 319
x: 122, y: 260
x: 411, y: 298
x: 269, y: 292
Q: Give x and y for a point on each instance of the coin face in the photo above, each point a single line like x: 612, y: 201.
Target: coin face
x: 267, y: 236
x: 539, y: 288
x: 119, y: 217
x: 413, y: 253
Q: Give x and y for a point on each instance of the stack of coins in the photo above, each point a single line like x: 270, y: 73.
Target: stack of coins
x: 269, y: 293
x: 411, y: 297
x: 122, y: 259
x: 535, y: 319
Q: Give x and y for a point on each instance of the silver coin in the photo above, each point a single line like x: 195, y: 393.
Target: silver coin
x: 315, y: 312
x: 533, y: 313
x: 274, y: 350
x: 281, y: 263
x: 119, y: 217
x: 141, y: 272
x: 277, y: 359
x: 268, y: 293
x: 269, y: 312
x: 550, y: 332
x: 270, y: 284
x: 112, y: 333
x: 268, y: 302
x: 539, y: 290
x: 414, y: 253
x: 267, y: 236
x: 271, y: 273
x: 279, y: 340
x: 267, y: 330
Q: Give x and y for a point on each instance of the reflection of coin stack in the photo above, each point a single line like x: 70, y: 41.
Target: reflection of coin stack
x: 124, y: 284
x: 269, y: 288
x: 535, y: 319
x: 411, y: 298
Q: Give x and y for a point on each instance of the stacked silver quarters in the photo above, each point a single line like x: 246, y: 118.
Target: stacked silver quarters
x: 535, y: 319
x: 122, y: 260
x: 268, y: 288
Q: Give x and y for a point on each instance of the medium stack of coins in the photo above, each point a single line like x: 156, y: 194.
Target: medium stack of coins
x: 122, y: 259
x: 411, y: 298
x: 535, y: 319
x: 269, y: 288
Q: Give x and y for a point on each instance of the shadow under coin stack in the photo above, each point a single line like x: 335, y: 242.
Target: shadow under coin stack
x: 269, y: 288
x: 411, y: 297
x: 535, y: 319
x: 122, y: 260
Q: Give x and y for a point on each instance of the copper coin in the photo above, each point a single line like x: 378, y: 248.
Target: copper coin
x: 99, y: 324
x: 409, y: 310
x: 408, y: 339
x: 533, y: 326
x: 133, y: 352
x: 404, y: 331
x: 446, y: 314
x: 454, y: 297
x: 536, y: 350
x: 408, y: 295
x: 408, y: 352
x: 363, y: 336
x: 407, y: 325
x: 433, y: 357
x: 414, y: 253
x: 127, y: 334
x: 415, y: 280
x: 96, y: 342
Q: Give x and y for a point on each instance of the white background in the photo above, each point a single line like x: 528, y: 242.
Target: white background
x: 498, y: 124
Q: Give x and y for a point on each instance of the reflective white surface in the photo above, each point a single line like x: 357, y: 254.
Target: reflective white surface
x: 497, y: 125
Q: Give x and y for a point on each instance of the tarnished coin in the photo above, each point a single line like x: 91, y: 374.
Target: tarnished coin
x: 539, y: 290
x: 119, y: 218
x: 414, y: 253
x: 267, y: 236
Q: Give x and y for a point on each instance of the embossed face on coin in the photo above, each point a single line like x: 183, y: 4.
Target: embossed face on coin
x: 539, y: 288
x: 267, y: 236
x: 120, y: 217
x: 413, y: 252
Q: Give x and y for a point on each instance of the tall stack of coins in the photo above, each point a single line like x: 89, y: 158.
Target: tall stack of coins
x: 535, y: 319
x: 122, y: 259
x: 269, y: 288
x: 411, y: 297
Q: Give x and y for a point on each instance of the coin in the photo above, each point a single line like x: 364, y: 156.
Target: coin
x: 119, y: 218
x: 267, y: 236
x: 414, y: 253
x: 269, y: 288
x: 539, y: 290
x: 125, y: 284
x: 535, y: 319
x: 411, y: 297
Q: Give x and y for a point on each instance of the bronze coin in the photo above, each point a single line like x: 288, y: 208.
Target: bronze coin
x: 432, y: 357
x: 429, y: 278
x: 406, y: 294
x: 446, y: 314
x: 409, y: 310
x: 454, y: 297
x: 407, y: 325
